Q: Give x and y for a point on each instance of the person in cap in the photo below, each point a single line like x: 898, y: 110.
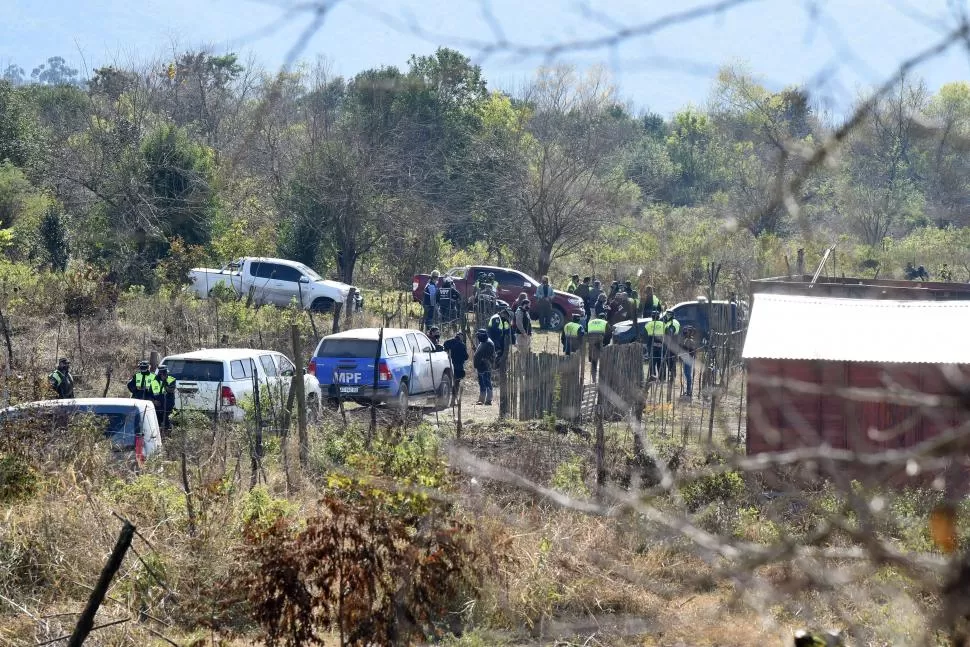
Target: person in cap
x: 61, y: 379
x: 583, y: 292
x: 140, y: 384
x: 163, y: 395
x: 484, y: 363
x: 595, y: 338
x: 458, y: 354
x: 430, y: 300
x: 573, y: 286
x: 572, y: 336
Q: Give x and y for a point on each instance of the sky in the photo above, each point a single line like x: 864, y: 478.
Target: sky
x: 838, y: 49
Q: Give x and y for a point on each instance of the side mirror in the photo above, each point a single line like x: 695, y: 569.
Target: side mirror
x: 427, y: 349
x: 304, y: 279
x: 287, y: 373
x: 527, y: 285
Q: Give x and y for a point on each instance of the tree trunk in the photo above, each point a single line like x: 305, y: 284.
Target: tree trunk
x: 346, y: 263
x: 545, y: 260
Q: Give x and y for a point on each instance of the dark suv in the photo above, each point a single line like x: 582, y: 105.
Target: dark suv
x: 726, y: 315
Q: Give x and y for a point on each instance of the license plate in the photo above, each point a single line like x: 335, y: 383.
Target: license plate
x: 350, y: 389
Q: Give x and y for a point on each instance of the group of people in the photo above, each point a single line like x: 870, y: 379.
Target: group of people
x: 157, y: 386
x: 146, y: 384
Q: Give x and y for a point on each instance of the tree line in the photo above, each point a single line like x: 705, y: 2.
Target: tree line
x: 145, y: 171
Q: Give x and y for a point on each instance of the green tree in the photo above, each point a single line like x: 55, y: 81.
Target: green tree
x: 54, y: 239
x: 55, y: 71
x: 19, y: 137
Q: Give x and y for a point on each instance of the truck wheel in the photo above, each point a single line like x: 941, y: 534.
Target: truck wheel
x: 444, y: 391
x: 557, y: 319
x: 322, y: 304
x: 403, y: 398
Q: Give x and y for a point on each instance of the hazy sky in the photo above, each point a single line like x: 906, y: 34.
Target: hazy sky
x: 836, y: 47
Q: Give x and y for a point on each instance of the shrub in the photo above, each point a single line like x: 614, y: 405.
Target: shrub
x: 724, y: 486
x: 358, y: 570
x: 18, y: 480
x: 569, y: 477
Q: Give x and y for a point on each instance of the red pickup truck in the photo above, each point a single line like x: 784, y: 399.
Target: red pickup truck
x: 511, y: 283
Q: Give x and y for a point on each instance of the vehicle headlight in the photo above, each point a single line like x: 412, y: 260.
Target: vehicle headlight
x: 575, y: 301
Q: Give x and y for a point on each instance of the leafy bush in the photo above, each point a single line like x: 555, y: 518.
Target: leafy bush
x: 724, y: 486
x: 260, y: 510
x: 18, y: 480
x: 358, y: 570
x: 569, y: 477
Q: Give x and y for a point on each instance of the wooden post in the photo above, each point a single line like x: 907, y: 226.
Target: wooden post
x: 297, y: 381
x: 336, y: 317
x: 86, y: 622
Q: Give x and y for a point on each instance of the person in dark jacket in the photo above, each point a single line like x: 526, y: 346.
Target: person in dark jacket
x: 458, y: 354
x: 434, y: 334
x: 484, y: 362
x: 500, y: 331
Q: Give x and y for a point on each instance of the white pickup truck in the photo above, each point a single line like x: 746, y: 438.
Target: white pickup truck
x: 273, y: 281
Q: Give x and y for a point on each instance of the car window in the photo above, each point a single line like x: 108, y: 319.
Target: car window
x: 413, y: 343
x: 425, y: 343
x: 395, y: 346
x: 195, y: 370
x: 241, y: 369
x: 287, y: 273
x: 269, y: 367
x: 457, y: 272
x: 255, y: 268
x: 687, y: 312
x: 285, y: 364
x: 509, y: 279
x: 348, y: 348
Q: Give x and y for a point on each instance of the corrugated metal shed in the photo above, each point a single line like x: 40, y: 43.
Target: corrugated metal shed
x: 858, y: 330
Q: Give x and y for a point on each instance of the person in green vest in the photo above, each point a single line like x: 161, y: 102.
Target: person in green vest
x: 654, y: 330
x: 140, y: 384
x: 573, y: 287
x: 61, y: 380
x: 595, y: 334
x: 163, y: 395
x: 671, y: 346
x: 572, y: 336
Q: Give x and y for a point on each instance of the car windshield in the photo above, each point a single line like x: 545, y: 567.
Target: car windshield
x: 195, y: 370
x: 306, y: 270
x: 118, y: 426
x: 457, y: 272
x: 530, y: 279
x: 356, y: 348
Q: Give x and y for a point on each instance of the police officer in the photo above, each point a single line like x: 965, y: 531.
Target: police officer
x: 595, y: 336
x: 572, y: 336
x: 573, y: 285
x: 500, y: 332
x: 163, y: 395
x: 634, y: 298
x: 671, y: 344
x: 140, y: 384
x: 655, y: 338
x: 449, y: 300
x: 61, y: 379
x: 523, y: 326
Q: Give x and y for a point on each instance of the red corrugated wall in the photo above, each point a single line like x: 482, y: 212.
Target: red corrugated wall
x: 811, y: 406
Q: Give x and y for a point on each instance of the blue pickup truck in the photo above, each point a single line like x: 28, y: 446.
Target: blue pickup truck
x: 407, y: 365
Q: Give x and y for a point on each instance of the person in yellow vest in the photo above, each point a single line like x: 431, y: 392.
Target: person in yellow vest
x: 671, y: 347
x: 572, y: 336
x: 140, y: 384
x: 163, y: 395
x: 595, y: 334
x: 654, y: 330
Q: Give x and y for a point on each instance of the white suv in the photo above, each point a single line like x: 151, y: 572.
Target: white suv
x: 215, y: 381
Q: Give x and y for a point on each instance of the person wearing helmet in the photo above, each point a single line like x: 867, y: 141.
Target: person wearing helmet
x: 163, y: 395
x: 140, y: 384
x: 572, y: 336
x: 484, y: 363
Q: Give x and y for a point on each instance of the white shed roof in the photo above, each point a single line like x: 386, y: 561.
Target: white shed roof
x: 858, y: 330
